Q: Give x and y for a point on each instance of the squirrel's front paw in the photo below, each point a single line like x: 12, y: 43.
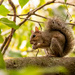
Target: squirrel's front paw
x: 34, y: 46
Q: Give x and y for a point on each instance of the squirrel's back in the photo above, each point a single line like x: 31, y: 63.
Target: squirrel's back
x: 56, y: 24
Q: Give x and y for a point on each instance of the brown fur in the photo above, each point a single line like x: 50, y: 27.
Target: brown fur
x: 57, y: 39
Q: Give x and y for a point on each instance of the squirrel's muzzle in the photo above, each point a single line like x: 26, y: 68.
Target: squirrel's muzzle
x: 33, y: 42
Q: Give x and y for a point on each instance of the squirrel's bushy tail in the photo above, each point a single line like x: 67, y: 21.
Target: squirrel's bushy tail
x: 59, y: 25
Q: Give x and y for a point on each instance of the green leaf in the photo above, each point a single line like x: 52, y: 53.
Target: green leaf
x: 55, y: 69
x: 23, y: 2
x: 1, y: 39
x: 51, y: 12
x: 65, y: 1
x: 42, y: 2
x: 2, y: 63
x: 30, y: 70
x: 9, y: 23
x: 0, y: 30
x: 14, y: 54
x: 4, y: 27
x: 3, y: 11
x: 13, y: 72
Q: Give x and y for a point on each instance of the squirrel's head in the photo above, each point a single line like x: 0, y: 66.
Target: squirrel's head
x: 35, y: 37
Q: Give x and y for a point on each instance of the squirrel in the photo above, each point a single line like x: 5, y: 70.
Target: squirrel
x: 57, y: 39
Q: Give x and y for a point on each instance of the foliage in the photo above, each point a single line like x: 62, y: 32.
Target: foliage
x: 34, y: 71
x: 3, y: 11
x: 9, y: 23
x: 65, y: 1
x: 14, y: 54
x: 23, y: 2
x: 2, y: 63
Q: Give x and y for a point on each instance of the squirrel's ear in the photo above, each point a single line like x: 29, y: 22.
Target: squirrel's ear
x: 32, y: 31
x: 36, y: 29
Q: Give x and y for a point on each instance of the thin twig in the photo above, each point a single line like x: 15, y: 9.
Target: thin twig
x: 41, y: 16
x: 32, y: 20
x: 5, y: 41
x: 38, y: 21
x: 37, y: 52
x: 17, y: 15
x: 41, y: 7
x: 8, y: 42
x: 24, y: 18
x: 13, y: 30
x: 1, y: 2
x: 34, y: 10
x: 65, y: 3
x: 40, y: 26
x: 49, y: 2
x: 14, y: 9
x: 70, y: 24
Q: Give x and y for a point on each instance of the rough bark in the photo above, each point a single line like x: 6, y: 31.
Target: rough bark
x: 17, y: 63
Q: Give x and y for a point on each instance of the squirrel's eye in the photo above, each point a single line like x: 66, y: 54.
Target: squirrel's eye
x: 53, y: 21
x: 34, y: 35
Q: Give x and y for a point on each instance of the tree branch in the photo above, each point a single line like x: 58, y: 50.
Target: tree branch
x: 1, y: 2
x: 17, y: 15
x: 5, y: 41
x: 29, y: 19
x: 14, y: 9
x: 44, y: 62
x: 6, y: 44
x: 41, y: 16
x: 32, y: 20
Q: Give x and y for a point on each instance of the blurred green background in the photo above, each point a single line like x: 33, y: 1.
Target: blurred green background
x: 20, y: 44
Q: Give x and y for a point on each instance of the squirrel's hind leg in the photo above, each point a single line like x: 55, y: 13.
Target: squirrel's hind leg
x: 48, y: 53
x: 56, y: 48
